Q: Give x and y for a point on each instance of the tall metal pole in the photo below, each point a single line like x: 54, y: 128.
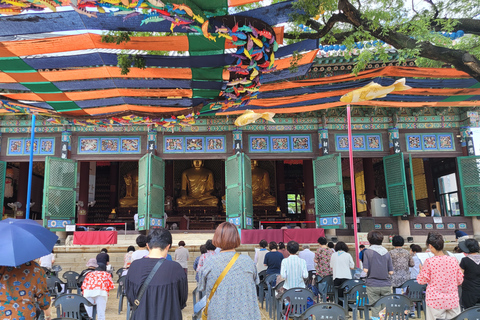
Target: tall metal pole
x: 352, y: 183
x: 30, y: 168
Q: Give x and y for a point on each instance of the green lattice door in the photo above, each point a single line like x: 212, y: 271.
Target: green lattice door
x: 329, y: 197
x: 59, y: 193
x: 396, y: 184
x: 3, y: 170
x: 469, y: 178
x: 151, y: 192
x: 238, y: 180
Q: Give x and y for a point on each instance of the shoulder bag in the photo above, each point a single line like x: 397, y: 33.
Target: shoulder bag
x: 217, y: 283
x: 145, y: 284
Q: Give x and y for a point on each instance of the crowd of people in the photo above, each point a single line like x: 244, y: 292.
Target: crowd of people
x: 157, y: 285
x: 383, y: 271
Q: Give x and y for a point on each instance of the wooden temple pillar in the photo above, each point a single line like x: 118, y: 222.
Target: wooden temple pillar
x: 82, y: 211
x: 281, y: 192
x: 429, y: 181
x: 113, y: 184
x: 309, y: 192
x: 22, y: 189
x: 169, y: 186
x: 369, y: 176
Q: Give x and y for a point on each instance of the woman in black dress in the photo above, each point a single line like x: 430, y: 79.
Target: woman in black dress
x: 471, y: 268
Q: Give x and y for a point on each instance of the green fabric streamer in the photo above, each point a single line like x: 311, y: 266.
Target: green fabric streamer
x: 198, y: 45
x: 14, y: 64
x: 62, y: 106
x: 41, y: 87
x: 461, y: 98
x: 205, y: 93
x: 207, y: 74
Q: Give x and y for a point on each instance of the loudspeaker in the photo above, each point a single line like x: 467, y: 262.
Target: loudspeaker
x: 367, y: 224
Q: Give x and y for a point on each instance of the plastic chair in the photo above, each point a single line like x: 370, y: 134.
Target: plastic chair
x: 121, y: 292
x: 416, y: 293
x: 472, y: 313
x: 119, y: 272
x: 357, y: 299
x: 273, y: 300
x: 72, y: 283
x: 56, y: 269
x: 345, y: 286
x: 263, y: 287
x: 70, y: 305
x: 324, y: 311
x: 54, y: 286
x: 261, y: 275
x: 297, y: 299
x: 395, y: 305
x: 325, y: 287
x: 265, y: 291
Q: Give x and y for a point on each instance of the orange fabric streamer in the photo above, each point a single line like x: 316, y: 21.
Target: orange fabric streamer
x: 89, y: 41
x: 110, y: 93
x: 382, y: 72
x: 129, y: 107
x: 385, y: 104
x: 286, y: 63
x: 236, y: 3
x: 115, y: 72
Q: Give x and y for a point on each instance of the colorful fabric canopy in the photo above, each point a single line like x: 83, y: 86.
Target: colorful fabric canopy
x: 222, y: 64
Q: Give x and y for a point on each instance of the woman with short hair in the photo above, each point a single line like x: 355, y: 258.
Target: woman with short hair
x: 210, y: 252
x: 236, y: 295
x: 322, y: 258
x: 260, y: 256
x: 127, y: 260
x: 341, y: 264
x: 442, y: 275
x: 377, y: 264
x: 273, y: 259
x: 402, y: 261
x: 470, y: 266
x: 283, y: 250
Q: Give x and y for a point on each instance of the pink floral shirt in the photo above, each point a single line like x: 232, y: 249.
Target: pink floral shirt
x: 443, y: 276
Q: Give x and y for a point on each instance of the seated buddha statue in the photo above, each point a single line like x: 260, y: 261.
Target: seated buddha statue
x: 197, y: 187
x: 261, y: 187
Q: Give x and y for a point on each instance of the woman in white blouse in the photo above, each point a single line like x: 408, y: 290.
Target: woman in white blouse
x: 341, y: 264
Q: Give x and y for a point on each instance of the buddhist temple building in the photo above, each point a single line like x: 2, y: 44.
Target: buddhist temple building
x: 110, y: 145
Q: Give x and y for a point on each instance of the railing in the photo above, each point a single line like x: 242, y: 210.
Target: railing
x: 284, y: 222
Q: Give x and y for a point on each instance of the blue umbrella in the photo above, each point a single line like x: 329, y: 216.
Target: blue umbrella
x: 24, y: 240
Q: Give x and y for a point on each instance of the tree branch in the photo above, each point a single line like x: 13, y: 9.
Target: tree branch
x: 321, y: 30
x: 468, y: 25
x: 434, y: 6
x: 461, y: 60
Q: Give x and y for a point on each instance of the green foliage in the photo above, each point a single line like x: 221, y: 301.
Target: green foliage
x: 116, y: 37
x: 296, y: 57
x: 405, y: 25
x: 126, y: 61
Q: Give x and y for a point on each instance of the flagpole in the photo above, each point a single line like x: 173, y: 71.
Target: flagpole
x: 352, y: 183
x: 30, y: 168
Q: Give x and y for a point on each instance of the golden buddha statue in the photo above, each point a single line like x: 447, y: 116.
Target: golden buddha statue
x: 261, y: 187
x: 197, y: 187
x: 131, y: 185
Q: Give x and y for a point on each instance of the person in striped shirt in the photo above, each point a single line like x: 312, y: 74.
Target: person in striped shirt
x: 293, y: 269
